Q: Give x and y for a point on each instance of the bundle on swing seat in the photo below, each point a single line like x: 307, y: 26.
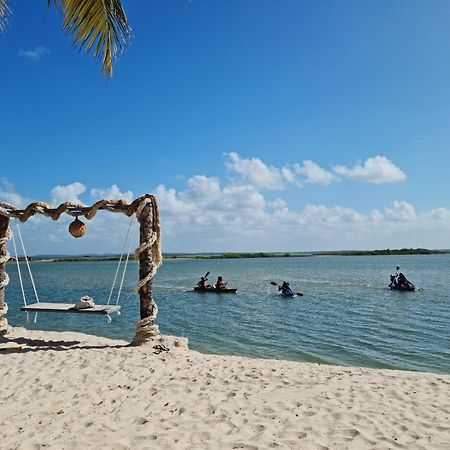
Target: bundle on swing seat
x: 85, y: 302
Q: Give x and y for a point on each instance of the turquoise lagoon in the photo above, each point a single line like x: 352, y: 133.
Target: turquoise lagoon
x: 346, y: 316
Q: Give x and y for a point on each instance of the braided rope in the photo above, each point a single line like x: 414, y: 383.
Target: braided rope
x: 4, y: 254
x: 5, y: 281
x: 153, y: 243
x: 146, y: 331
x: 71, y: 208
x: 4, y: 310
x: 4, y: 257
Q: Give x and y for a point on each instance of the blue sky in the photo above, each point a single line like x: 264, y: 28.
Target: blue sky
x: 260, y: 125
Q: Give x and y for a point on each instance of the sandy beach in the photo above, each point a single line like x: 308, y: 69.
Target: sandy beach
x: 75, y: 391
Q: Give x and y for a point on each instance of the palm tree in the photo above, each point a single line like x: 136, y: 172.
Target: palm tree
x: 100, y: 25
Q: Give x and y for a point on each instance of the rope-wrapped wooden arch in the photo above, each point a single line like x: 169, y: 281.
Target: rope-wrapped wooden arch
x: 148, y: 253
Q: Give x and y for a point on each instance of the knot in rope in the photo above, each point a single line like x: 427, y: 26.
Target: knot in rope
x: 4, y: 310
x: 4, y: 254
x: 4, y: 257
x: 6, y: 209
x: 146, y: 331
x: 5, y: 281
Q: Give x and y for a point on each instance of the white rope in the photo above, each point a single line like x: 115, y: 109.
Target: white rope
x: 4, y: 282
x: 4, y: 212
x: 4, y: 310
x: 144, y: 246
x: 18, y: 269
x: 4, y: 256
x: 120, y: 260
x: 126, y: 264
x: 28, y: 264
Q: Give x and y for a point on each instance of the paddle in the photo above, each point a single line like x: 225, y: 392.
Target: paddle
x: 275, y: 284
x: 205, y: 279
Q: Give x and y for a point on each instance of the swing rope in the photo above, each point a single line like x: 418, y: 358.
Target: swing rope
x: 18, y: 269
x: 130, y: 226
x: 27, y: 262
x: 20, y: 272
x: 126, y: 263
x: 18, y: 266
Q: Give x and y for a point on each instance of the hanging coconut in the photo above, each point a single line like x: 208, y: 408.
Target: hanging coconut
x: 77, y: 228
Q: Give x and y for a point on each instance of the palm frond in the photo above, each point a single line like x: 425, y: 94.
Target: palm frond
x: 4, y: 12
x: 100, y: 25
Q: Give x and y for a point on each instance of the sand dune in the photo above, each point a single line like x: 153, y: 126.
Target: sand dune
x: 74, y: 391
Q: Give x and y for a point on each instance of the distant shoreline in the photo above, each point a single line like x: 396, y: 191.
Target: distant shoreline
x: 245, y: 255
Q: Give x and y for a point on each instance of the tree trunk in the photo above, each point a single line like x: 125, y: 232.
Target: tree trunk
x: 146, y: 330
x: 4, y: 226
x: 146, y: 264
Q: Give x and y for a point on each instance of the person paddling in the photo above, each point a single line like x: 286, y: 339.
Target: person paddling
x: 403, y: 282
x: 220, y: 284
x: 394, y: 277
x: 399, y: 281
x: 285, y: 288
x: 202, y: 283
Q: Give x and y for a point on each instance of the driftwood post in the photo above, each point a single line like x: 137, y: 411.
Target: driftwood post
x: 4, y: 256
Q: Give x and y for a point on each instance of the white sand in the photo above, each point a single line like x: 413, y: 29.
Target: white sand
x: 73, y: 391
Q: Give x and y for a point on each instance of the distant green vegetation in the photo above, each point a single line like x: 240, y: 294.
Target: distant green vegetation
x: 238, y: 255
x: 403, y: 251
x: 388, y: 251
x: 77, y: 259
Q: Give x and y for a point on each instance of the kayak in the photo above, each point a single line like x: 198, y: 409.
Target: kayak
x: 402, y: 288
x: 217, y: 291
x: 288, y: 294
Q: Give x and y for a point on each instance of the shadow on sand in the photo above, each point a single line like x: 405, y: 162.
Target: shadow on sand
x: 34, y: 345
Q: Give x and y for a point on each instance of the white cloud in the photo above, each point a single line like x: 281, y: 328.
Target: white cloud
x: 210, y: 217
x: 378, y: 170
x: 171, y: 203
x: 256, y: 173
x: 206, y: 202
x: 67, y: 193
x: 314, y: 173
x: 278, y: 203
x: 35, y: 54
x: 202, y: 190
x: 9, y: 195
x: 289, y: 175
x: 253, y: 171
x: 208, y: 214
x: 400, y: 212
x: 112, y: 193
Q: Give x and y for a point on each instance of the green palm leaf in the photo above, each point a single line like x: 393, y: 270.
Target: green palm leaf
x: 4, y: 11
x: 96, y: 24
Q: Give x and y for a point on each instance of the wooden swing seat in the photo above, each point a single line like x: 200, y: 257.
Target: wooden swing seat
x: 70, y: 308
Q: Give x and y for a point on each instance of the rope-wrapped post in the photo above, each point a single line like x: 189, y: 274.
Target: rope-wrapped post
x: 149, y: 257
x: 4, y: 279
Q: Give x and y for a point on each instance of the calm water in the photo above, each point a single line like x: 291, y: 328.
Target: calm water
x: 347, y: 316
